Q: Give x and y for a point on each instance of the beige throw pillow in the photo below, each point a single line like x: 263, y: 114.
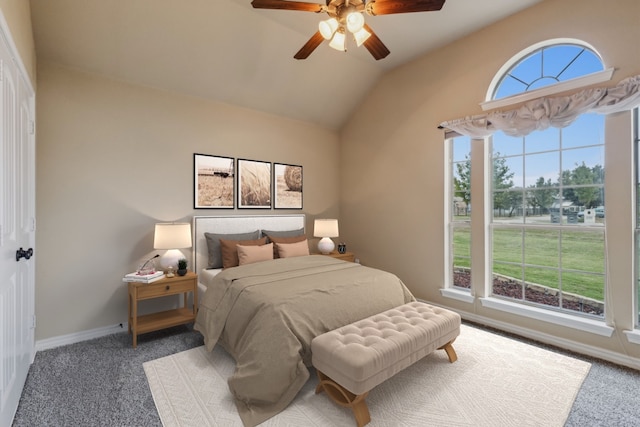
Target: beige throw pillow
x: 251, y: 254
x: 287, y: 250
x: 230, y: 251
x: 286, y: 239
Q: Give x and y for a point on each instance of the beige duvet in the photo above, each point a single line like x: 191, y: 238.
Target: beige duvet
x: 266, y: 314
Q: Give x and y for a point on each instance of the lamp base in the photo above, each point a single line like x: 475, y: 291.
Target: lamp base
x: 170, y: 259
x: 326, y: 245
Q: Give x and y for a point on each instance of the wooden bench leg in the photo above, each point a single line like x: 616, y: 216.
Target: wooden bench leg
x: 451, y: 353
x: 344, y: 397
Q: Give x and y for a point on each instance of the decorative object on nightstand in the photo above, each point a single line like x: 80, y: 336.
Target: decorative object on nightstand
x: 182, y: 266
x: 148, y: 267
x: 172, y: 236
x: 342, y: 248
x: 325, y: 228
x: 170, y: 271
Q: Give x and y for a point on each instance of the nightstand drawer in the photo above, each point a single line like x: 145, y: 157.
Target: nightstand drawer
x: 154, y: 290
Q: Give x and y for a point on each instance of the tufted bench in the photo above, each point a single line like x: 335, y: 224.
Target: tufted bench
x: 355, y: 358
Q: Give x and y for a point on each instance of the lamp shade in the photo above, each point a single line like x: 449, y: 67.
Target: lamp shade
x: 361, y: 36
x: 325, y: 228
x: 328, y: 28
x: 174, y: 235
x: 338, y: 40
x: 355, y: 22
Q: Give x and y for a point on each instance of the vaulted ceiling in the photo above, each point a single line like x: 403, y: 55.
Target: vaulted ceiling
x: 227, y: 51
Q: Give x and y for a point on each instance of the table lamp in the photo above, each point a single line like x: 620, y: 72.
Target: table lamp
x: 172, y: 236
x: 325, y: 228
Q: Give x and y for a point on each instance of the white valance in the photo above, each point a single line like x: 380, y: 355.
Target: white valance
x: 559, y: 111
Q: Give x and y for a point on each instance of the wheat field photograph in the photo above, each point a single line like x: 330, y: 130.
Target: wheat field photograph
x: 254, y: 184
x: 214, y: 181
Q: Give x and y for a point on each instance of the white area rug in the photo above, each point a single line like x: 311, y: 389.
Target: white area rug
x: 495, y: 382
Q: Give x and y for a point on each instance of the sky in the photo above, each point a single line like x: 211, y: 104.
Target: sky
x: 536, y: 155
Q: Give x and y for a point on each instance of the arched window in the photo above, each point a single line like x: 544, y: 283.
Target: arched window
x: 547, y: 194
x: 546, y: 66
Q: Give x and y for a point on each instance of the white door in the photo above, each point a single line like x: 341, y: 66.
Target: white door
x: 17, y: 230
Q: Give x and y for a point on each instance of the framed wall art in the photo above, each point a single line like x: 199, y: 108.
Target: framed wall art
x: 213, y: 182
x: 288, y: 186
x: 254, y: 184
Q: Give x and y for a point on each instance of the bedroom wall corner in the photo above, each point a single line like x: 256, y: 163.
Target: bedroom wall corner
x: 114, y: 158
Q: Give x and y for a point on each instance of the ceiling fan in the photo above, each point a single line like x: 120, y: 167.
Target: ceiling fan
x: 347, y: 15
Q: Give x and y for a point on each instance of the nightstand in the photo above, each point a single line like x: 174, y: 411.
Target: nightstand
x: 347, y: 256
x: 164, y: 319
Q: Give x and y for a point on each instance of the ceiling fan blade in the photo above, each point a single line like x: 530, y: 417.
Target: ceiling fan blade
x: 306, y: 50
x: 374, y: 45
x: 388, y: 7
x: 287, y: 5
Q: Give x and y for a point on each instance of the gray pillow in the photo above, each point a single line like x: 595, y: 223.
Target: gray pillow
x: 287, y: 233
x: 213, y: 245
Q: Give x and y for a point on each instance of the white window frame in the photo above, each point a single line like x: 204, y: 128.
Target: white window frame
x: 636, y: 234
x: 481, y: 219
x: 449, y: 289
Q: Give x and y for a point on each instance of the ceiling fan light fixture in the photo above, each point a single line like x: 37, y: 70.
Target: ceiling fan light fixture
x: 348, y: 15
x: 328, y: 28
x: 338, y: 40
x: 361, y: 36
x: 355, y: 22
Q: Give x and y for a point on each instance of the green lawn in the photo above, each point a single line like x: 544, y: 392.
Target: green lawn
x: 575, y: 257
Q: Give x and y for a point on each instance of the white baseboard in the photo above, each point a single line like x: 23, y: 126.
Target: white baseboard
x: 587, y: 350
x: 54, y: 342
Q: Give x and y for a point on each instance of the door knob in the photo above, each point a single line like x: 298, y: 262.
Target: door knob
x: 21, y: 253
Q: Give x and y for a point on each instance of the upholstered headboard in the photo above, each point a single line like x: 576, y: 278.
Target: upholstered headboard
x: 236, y: 224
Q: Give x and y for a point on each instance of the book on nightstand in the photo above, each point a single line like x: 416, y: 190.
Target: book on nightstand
x: 143, y: 278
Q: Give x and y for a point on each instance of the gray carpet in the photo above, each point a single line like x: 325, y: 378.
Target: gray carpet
x: 101, y: 382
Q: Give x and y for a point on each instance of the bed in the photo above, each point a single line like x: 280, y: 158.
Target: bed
x: 232, y: 225
x: 265, y: 314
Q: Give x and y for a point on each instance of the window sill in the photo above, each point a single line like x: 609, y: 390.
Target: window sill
x: 633, y: 336
x: 458, y: 295
x: 575, y: 322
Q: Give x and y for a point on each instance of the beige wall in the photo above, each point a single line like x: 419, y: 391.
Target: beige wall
x: 392, y: 154
x: 17, y: 13
x: 113, y: 159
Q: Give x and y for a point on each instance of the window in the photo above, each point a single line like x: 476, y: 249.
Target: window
x: 540, y: 193
x: 546, y: 66
x: 548, y: 217
x: 460, y: 213
x: 547, y: 192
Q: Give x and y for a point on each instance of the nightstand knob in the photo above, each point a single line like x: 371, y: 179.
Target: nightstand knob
x: 167, y: 288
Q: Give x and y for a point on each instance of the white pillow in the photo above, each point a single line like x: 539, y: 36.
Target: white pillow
x: 287, y: 250
x: 251, y: 254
